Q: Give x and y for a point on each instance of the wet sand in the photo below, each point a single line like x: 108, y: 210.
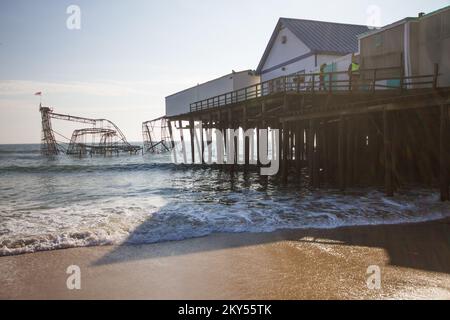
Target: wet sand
x: 293, y: 264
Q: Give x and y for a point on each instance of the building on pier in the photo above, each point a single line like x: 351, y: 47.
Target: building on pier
x: 415, y: 43
x: 178, y: 103
x: 302, y: 46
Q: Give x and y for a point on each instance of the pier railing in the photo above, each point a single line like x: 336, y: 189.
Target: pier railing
x: 364, y: 80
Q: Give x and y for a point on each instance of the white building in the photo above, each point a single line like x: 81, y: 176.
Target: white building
x: 179, y: 103
x: 301, y: 46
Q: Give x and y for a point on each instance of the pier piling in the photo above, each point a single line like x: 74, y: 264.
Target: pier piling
x: 343, y: 138
x: 443, y: 152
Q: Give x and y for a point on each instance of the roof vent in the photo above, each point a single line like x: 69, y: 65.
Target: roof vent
x: 421, y: 14
x: 283, y: 39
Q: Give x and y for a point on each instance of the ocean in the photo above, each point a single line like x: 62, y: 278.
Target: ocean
x: 64, y: 202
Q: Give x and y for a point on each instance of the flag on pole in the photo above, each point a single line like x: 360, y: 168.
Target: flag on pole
x: 39, y: 93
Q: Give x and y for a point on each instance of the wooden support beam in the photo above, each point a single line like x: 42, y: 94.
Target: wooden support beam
x: 191, y: 132
x: 264, y: 126
x: 202, y: 142
x: 283, y: 138
x: 317, y: 152
x: 396, y: 146
x: 444, y: 142
x: 172, y: 142
x: 183, y: 145
x: 280, y: 144
x: 310, y: 151
x: 324, y: 152
x: 389, y: 189
x: 210, y: 140
x: 356, y: 149
x: 246, y: 140
x: 349, y: 153
x: 407, y: 104
x: 291, y: 141
x: 341, y: 149
x: 257, y: 144
x: 298, y: 149
x: 285, y: 167
x: 228, y: 144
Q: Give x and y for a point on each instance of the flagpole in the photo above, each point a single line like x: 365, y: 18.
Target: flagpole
x: 40, y: 97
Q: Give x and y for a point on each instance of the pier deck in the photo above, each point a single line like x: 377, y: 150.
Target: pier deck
x: 347, y: 130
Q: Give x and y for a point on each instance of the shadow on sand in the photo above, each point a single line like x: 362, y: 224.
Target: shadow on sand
x: 422, y: 246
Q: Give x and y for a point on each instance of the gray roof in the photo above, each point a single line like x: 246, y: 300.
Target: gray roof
x: 319, y: 36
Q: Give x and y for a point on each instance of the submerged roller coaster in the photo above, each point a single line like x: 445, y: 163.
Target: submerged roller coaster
x: 103, y: 137
x: 156, y: 134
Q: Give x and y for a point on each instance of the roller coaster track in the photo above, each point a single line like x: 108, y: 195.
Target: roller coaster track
x: 51, y: 147
x: 156, y: 135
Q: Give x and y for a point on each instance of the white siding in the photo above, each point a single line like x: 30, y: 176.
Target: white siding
x: 179, y: 103
x: 326, y: 58
x: 307, y: 65
x: 245, y: 79
x: 280, y: 53
x: 283, y: 52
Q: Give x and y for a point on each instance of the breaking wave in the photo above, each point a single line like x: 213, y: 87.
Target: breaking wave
x: 111, y: 223
x: 85, y: 168
x: 137, y: 200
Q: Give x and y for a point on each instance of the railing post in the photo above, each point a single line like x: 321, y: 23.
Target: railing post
x: 402, y: 78
x: 330, y: 82
x: 374, y: 80
x: 313, y: 82
x: 435, y: 76
x: 350, y: 76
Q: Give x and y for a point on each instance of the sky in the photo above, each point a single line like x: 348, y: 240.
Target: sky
x: 127, y: 56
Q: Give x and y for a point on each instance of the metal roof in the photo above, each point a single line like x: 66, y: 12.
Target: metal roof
x: 319, y: 36
x: 249, y: 71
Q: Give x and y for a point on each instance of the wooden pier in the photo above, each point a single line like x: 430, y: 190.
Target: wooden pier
x: 345, y: 130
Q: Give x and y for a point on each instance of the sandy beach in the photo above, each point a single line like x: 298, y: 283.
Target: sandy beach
x: 296, y: 264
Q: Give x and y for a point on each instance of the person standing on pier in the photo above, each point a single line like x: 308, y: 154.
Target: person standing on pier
x: 353, y: 75
x: 322, y: 76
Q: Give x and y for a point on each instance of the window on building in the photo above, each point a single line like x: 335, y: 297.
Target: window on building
x: 378, y: 40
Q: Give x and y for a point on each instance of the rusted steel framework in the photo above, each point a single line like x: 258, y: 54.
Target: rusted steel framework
x: 49, y: 145
x: 156, y: 135
x: 84, y: 142
x: 104, y: 137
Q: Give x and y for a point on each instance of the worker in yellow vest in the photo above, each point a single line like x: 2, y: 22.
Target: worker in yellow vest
x: 353, y: 75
